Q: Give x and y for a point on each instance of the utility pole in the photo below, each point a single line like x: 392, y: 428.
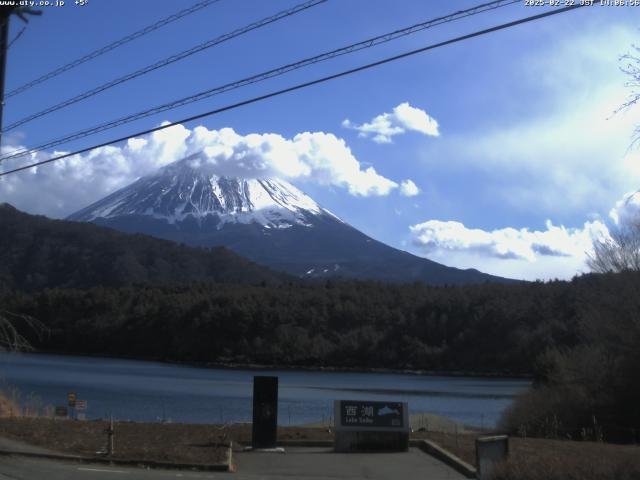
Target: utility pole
x: 5, y: 14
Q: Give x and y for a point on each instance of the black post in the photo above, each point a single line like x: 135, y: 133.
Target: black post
x: 265, y: 412
x: 5, y: 13
x: 110, y: 434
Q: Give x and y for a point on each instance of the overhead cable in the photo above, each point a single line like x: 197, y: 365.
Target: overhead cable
x: 303, y: 85
x: 371, y: 42
x: 167, y: 61
x: 112, y: 46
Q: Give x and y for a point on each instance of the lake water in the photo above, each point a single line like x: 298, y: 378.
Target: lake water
x: 151, y: 391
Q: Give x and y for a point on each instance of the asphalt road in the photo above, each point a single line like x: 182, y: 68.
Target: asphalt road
x: 297, y: 463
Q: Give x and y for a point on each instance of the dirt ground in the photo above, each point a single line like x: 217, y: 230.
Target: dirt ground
x: 537, y: 458
x: 542, y: 459
x: 202, y: 444
x: 167, y: 442
x: 206, y: 444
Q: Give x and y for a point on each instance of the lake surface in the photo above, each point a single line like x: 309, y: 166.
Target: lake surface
x: 151, y: 391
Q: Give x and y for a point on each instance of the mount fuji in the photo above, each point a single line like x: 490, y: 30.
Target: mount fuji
x: 267, y: 220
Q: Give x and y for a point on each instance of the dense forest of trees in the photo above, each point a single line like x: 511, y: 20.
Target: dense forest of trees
x: 483, y: 328
x: 590, y: 389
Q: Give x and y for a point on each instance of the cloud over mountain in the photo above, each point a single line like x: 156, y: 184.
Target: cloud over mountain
x: 310, y: 156
x: 71, y: 183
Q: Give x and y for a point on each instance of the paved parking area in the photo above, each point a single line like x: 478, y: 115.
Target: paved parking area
x: 323, y: 463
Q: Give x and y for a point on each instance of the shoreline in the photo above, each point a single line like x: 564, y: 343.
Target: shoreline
x: 299, y: 368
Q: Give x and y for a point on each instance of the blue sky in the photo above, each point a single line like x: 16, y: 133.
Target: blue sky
x: 528, y: 163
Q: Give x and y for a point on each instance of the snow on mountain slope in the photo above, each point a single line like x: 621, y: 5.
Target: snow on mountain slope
x: 188, y: 188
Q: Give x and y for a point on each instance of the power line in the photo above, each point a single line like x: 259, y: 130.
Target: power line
x: 371, y: 42
x: 167, y: 61
x: 112, y: 46
x: 18, y: 35
x: 300, y: 86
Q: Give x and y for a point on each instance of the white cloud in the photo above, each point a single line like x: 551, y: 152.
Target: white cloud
x: 627, y: 210
x: 555, y: 252
x: 403, y: 118
x: 507, y: 243
x: 409, y: 189
x: 563, y: 152
x: 318, y: 157
x: 574, y: 168
x: 60, y: 188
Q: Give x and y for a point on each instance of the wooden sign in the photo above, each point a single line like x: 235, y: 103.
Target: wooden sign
x: 61, y: 411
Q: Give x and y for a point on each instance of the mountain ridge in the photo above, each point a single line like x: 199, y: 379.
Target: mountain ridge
x: 37, y: 252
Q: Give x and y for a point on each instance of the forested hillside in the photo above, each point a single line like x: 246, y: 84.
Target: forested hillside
x: 36, y: 253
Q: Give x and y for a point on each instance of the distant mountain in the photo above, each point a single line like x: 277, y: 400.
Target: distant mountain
x: 266, y: 220
x: 37, y: 252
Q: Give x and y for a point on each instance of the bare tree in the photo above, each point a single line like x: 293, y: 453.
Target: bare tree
x: 11, y: 337
x: 619, y: 252
x: 631, y: 67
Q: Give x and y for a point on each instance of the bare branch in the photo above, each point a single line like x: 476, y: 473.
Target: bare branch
x: 618, y: 253
x: 631, y: 68
x: 11, y: 336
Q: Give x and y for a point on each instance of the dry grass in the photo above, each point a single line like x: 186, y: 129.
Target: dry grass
x: 141, y: 441
x: 8, y: 406
x: 542, y: 459
x: 538, y: 459
x: 171, y: 442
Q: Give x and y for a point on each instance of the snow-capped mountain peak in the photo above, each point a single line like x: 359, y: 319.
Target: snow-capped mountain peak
x: 266, y: 220
x: 188, y: 189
